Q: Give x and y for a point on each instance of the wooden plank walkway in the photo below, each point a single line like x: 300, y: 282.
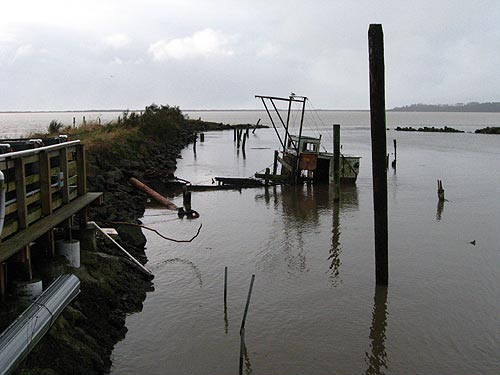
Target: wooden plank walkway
x: 25, y: 236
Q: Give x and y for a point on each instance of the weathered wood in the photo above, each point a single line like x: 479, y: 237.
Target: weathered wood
x: 285, y: 164
x: 275, y: 163
x: 21, y: 201
x: 14, y: 244
x: 379, y: 151
x: 440, y: 191
x: 268, y: 172
x: 26, y: 260
x: 3, y: 280
x: 45, y: 181
x: 63, y: 157
x: 255, y: 127
x: 81, y: 166
x: 225, y: 288
x: 336, y: 162
x: 244, y: 142
x: 202, y: 137
x: 186, y: 200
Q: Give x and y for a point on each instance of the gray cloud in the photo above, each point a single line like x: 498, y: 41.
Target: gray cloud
x: 217, y: 54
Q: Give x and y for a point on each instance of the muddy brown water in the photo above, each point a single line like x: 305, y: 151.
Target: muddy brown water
x: 315, y: 308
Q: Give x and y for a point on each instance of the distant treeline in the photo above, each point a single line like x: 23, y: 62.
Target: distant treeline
x: 459, y: 107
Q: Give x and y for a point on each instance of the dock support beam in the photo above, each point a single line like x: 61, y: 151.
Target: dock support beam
x: 379, y: 151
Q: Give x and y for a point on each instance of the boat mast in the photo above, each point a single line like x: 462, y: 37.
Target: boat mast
x: 301, y: 122
x: 288, y: 120
x: 271, y: 118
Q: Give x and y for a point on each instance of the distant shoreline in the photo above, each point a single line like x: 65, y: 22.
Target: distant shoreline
x: 489, y: 107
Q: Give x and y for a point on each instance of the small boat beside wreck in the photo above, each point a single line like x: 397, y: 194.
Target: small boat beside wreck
x: 301, y: 156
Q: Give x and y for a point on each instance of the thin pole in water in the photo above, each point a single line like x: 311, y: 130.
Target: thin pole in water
x: 336, y: 161
x: 379, y: 151
x: 225, y: 287
x: 242, y: 329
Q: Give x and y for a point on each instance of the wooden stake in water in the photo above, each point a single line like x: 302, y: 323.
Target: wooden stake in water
x: 255, y: 127
x: 379, y: 151
x: 225, y: 300
x: 225, y: 288
x: 440, y: 191
x: 336, y: 161
x: 242, y: 329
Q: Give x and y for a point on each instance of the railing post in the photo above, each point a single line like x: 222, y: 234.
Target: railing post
x: 22, y: 207
x: 45, y: 183
x: 63, y: 157
x: 81, y: 169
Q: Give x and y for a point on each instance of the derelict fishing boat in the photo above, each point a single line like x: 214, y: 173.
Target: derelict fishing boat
x: 301, y: 156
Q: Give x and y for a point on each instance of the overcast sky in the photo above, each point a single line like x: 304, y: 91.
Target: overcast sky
x: 216, y: 54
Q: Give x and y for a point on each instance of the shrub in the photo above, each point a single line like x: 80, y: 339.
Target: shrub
x: 55, y: 126
x: 162, y: 122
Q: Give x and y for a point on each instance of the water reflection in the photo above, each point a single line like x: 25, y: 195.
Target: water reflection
x: 244, y: 358
x: 336, y: 249
x: 193, y: 266
x: 303, y: 206
x: 376, y: 359
x: 439, y: 211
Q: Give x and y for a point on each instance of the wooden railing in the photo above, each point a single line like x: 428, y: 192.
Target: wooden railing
x: 39, y: 181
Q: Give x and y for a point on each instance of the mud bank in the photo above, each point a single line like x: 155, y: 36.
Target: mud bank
x: 82, y: 339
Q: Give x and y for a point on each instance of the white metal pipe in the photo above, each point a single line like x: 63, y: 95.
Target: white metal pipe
x: 144, y: 269
x: 27, y: 330
x: 16, y: 154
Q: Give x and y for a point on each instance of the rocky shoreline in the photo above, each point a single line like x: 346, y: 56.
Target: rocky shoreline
x: 82, y: 338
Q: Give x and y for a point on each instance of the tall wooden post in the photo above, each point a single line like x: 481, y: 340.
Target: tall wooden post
x: 379, y: 151
x: 275, y: 163
x: 336, y: 161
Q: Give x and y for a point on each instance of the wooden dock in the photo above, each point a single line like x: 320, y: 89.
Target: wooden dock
x: 44, y: 188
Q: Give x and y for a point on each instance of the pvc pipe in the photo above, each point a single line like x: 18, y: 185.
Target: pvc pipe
x: 27, y: 330
x: 70, y: 250
x: 136, y: 262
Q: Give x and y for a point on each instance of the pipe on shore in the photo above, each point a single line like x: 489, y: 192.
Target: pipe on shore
x: 28, y: 329
x: 135, y: 261
x: 153, y: 194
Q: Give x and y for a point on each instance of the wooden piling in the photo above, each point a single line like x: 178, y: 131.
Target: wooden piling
x: 275, y: 163
x: 242, y: 329
x: 234, y: 134
x: 225, y: 288
x: 238, y: 138
x: 74, y: 122
x: 440, y: 191
x: 84, y: 122
x: 244, y: 142
x: 186, y: 200
x: 395, y: 150
x: 255, y: 127
x: 268, y: 171
x: 248, y: 132
x: 194, y: 143
x: 336, y: 161
x: 202, y: 137
x: 3, y: 280
x: 379, y: 151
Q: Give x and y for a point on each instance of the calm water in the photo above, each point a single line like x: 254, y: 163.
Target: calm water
x: 315, y: 308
